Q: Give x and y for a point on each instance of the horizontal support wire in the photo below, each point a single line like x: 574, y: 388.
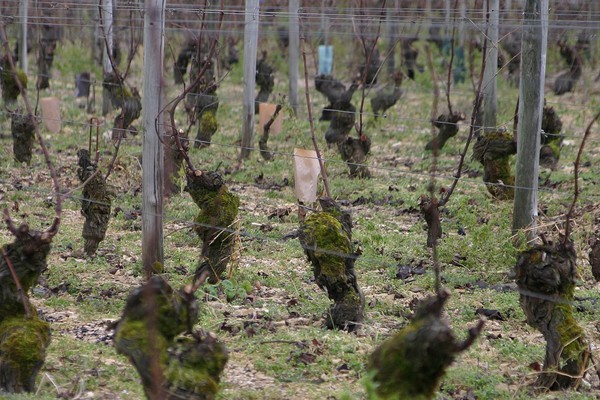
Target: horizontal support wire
x: 365, y: 260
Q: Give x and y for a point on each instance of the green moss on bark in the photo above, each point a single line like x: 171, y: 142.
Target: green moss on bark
x: 493, y: 150
x: 546, y: 275
x: 191, y: 364
x: 218, y: 211
x: 10, y: 88
x: 23, y: 343
x: 326, y: 237
x: 411, y: 364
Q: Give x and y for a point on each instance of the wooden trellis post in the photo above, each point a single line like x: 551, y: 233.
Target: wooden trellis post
x: 23, y: 14
x: 250, y: 49
x: 531, y: 103
x: 152, y: 159
x: 107, y: 37
x: 491, y: 66
x: 294, y: 54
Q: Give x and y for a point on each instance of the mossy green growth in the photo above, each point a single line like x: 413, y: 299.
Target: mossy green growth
x: 208, y: 124
x: 327, y: 239
x: 191, y: 365
x: 28, y: 256
x: 195, y: 366
x: 550, y: 269
x: 10, y: 89
x: 23, y: 344
x: 218, y: 211
x: 404, y: 375
x: 217, y: 208
x: 501, y: 181
x: 493, y: 150
x: 571, y: 335
x: 411, y: 364
x: 132, y: 337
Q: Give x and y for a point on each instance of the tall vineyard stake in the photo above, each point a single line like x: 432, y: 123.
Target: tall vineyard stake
x: 294, y: 45
x: 23, y: 13
x: 250, y: 49
x: 106, y: 18
x: 392, y: 33
x: 491, y: 67
x: 531, y: 103
x: 152, y: 160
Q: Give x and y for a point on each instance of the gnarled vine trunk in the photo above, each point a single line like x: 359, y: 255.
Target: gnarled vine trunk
x: 24, y: 337
x: 546, y: 277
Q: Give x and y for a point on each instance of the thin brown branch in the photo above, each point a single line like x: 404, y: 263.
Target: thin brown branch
x: 434, y: 106
x: 364, y: 77
x: 9, y: 223
x: 53, y: 230
x: 133, y: 44
x: 114, y: 158
x: 576, y: 183
x: 476, y: 107
x: 312, y: 124
x: 187, y: 90
x: 20, y: 290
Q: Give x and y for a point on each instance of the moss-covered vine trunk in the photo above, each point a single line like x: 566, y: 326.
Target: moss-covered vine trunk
x: 410, y: 364
x: 24, y: 337
x: 214, y: 222
x: 48, y: 40
x: 546, y: 278
x: 493, y: 149
x: 447, y: 125
x: 128, y: 100
x: 430, y: 209
x: 264, y: 80
x: 552, y: 139
x: 95, y: 203
x: 22, y: 129
x: 326, y: 237
x: 202, y: 102
x: 187, y: 366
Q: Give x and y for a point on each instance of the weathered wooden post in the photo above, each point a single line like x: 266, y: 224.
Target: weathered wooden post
x: 531, y: 103
x: 250, y: 49
x: 491, y: 66
x: 106, y: 15
x: 23, y: 14
x: 152, y: 160
x: 294, y: 55
x: 392, y: 34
